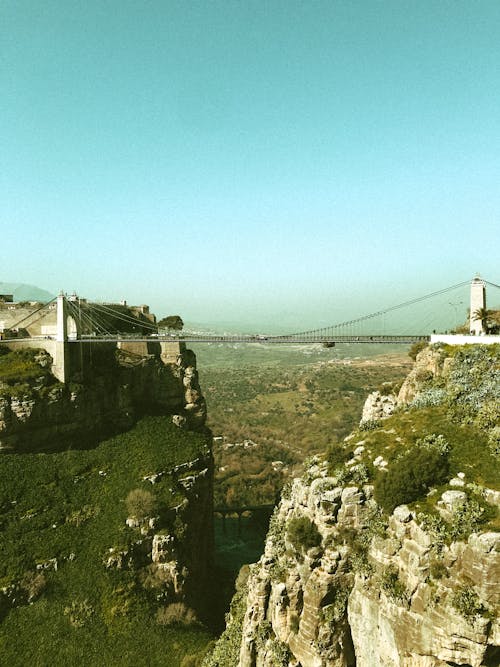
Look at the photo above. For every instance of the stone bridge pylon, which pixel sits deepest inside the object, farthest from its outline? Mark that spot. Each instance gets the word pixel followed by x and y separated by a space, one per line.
pixel 67 328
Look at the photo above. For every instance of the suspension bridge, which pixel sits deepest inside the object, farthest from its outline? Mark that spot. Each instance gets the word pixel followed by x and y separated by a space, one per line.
pixel 67 322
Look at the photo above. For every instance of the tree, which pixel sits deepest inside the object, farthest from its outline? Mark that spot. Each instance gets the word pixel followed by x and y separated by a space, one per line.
pixel 171 322
pixel 483 315
pixel 140 503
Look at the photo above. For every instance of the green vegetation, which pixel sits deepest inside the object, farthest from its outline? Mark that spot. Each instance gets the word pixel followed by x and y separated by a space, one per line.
pixel 335 604
pixel 392 585
pixel 466 601
pixel 413 473
pixel 416 348
pixel 278 653
pixel 490 319
pixel 173 322
pixel 62 513
pixel 24 368
pixel 140 503
pixel 448 428
pixel 336 456
pixel 302 534
pixel 358 541
pixel 290 405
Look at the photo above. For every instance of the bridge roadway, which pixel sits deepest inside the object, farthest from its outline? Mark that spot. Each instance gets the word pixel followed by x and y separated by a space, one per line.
pixel 303 340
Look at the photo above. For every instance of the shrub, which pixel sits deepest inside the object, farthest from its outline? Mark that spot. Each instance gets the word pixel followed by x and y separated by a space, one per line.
pixel 411 476
pixel 466 601
pixel 176 613
pixel 434 443
pixel 429 398
pixel 416 348
pixel 334 611
pixel 303 534
pixel 473 380
pixel 360 473
pixel 436 527
pixel 275 532
pixel 33 583
pixel 369 425
pixel 438 569
pixel 140 503
pixel 466 519
pixel 79 613
pixel 488 415
pixel 336 456
pixel 280 653
pixel 392 586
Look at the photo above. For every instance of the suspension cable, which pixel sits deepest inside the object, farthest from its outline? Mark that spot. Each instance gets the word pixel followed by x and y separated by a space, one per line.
pixel 381 312
pixel 92 319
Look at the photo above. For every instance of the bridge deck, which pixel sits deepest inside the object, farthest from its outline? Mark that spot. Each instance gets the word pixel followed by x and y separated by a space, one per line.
pixel 189 338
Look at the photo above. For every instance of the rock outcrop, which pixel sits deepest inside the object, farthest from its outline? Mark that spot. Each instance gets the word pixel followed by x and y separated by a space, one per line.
pixel 176 549
pixel 342 583
pixel 108 398
pixel 430 363
pixel 377 406
pixel 369 595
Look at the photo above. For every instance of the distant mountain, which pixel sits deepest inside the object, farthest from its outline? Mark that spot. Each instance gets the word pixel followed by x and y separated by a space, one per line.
pixel 22 292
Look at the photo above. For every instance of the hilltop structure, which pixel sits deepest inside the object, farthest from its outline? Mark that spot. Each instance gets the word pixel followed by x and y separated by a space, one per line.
pixel 477 304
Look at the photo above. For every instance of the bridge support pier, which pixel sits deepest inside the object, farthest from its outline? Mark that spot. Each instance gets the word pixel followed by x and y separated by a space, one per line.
pixel 60 366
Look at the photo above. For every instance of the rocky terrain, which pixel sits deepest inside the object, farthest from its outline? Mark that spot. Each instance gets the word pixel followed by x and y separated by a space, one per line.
pixel 352 576
pixel 119 387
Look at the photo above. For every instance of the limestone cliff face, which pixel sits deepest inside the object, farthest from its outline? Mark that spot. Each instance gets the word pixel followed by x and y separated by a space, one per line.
pixel 430 363
pixel 366 595
pixel 342 584
pixel 105 400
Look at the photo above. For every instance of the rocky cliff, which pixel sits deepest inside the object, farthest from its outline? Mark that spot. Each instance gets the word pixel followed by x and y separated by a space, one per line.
pixel 106 507
pixel 173 550
pixel 349 577
pixel 115 390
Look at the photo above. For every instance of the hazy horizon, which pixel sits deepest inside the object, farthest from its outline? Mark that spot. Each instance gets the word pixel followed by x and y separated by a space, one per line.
pixel 289 163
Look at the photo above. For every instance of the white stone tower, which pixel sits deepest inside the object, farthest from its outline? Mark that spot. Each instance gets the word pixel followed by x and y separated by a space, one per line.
pixel 60 367
pixel 477 302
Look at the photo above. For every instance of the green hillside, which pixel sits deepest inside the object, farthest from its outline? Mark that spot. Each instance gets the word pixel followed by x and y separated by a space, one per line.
pixel 61 514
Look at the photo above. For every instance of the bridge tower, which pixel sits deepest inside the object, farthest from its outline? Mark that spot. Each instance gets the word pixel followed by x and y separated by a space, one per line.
pixel 477 302
pixel 60 367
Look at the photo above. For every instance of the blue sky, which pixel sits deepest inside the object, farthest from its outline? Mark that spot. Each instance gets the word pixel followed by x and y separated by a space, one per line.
pixel 269 161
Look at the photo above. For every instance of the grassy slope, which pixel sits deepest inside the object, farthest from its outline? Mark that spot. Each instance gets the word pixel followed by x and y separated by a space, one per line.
pixel 465 414
pixel 54 505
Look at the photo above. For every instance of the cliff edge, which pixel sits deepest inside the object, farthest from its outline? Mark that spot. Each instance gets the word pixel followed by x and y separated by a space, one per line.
pixel 387 552
pixel 38 413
